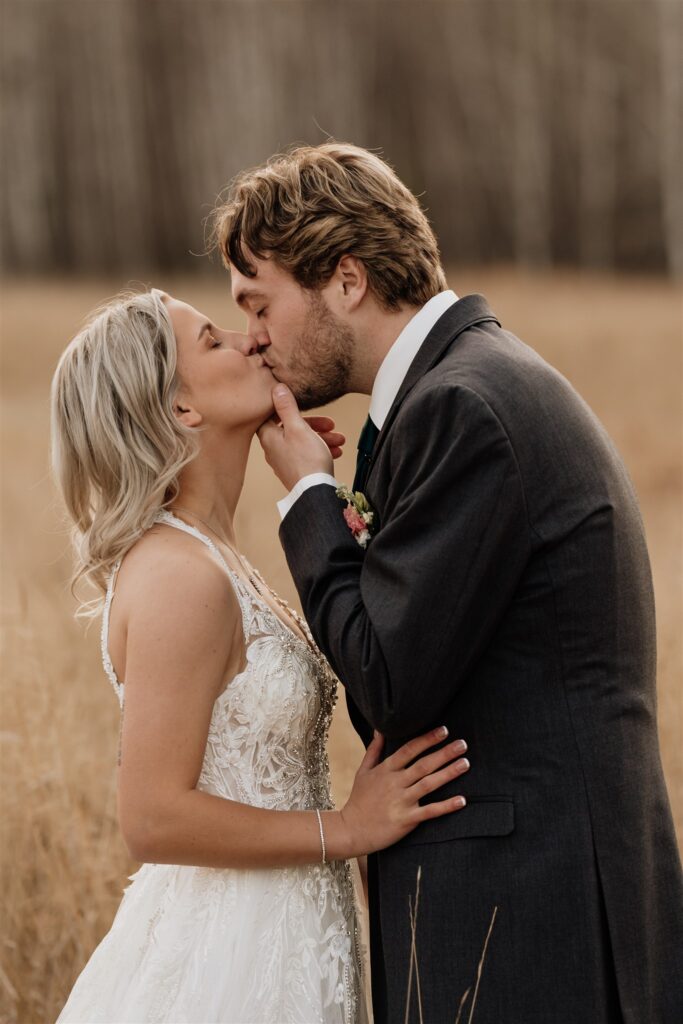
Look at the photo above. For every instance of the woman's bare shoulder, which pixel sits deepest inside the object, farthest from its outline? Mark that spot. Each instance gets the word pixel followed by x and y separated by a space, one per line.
pixel 166 567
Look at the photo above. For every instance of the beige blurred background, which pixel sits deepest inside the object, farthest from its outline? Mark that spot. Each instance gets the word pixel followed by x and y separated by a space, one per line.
pixel 544 139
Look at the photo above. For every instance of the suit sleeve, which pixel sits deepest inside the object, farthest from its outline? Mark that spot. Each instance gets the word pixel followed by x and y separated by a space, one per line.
pixel 403 621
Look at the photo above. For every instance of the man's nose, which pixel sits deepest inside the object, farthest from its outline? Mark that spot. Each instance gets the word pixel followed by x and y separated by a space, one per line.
pixel 262 340
pixel 251 345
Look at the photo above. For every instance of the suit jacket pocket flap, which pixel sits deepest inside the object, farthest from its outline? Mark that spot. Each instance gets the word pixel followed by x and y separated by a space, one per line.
pixel 482 816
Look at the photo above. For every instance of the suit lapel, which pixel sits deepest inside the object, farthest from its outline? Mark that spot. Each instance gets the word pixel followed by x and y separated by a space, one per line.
pixel 463 314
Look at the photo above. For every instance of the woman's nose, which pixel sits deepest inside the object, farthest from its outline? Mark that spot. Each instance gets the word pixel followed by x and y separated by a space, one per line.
pixel 247 344
pixel 250 345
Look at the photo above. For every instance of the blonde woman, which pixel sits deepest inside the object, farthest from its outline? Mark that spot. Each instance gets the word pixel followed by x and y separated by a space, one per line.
pixel 244 910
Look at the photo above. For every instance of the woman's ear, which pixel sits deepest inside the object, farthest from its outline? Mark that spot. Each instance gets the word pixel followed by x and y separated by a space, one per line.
pixel 186 413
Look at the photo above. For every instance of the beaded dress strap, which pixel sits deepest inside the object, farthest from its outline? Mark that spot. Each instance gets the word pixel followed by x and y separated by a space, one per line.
pixel 170 520
pixel 164 516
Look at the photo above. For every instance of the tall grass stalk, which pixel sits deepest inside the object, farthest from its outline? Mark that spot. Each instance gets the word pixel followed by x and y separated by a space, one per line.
pixel 63 864
pixel 463 1000
pixel 414 966
pixel 413 951
pixel 480 966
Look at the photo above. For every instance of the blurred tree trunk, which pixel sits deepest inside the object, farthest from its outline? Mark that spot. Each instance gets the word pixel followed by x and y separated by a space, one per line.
pixel 532 135
pixel 597 109
pixel 670 14
pixel 538 131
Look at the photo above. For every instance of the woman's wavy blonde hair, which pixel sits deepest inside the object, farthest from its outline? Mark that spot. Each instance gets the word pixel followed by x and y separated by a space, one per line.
pixel 117 448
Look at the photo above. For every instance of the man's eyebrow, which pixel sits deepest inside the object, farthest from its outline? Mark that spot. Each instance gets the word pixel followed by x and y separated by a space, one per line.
pixel 247 293
pixel 205 327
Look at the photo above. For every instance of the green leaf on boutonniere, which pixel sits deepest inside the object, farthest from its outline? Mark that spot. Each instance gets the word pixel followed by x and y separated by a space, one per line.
pixel 357 514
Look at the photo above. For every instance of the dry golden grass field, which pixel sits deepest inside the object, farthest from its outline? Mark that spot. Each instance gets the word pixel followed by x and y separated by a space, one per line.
pixel 617 339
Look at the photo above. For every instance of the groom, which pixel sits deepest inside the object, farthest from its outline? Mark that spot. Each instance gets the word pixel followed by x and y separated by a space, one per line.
pixel 505 592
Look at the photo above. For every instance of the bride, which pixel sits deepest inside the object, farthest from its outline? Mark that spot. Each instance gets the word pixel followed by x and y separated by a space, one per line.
pixel 244 909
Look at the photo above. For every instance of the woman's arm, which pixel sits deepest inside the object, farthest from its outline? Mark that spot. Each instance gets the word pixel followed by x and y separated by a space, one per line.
pixel 184 622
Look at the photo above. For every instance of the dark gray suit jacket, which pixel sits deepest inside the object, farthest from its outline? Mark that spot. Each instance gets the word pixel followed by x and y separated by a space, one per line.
pixel 507 593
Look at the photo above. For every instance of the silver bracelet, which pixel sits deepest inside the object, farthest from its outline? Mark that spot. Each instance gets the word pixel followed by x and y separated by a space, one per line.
pixel 322 834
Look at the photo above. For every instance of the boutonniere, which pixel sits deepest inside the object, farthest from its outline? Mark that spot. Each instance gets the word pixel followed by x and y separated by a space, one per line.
pixel 358 514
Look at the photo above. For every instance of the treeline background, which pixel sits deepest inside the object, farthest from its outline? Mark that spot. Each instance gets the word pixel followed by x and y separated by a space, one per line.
pixel 541 132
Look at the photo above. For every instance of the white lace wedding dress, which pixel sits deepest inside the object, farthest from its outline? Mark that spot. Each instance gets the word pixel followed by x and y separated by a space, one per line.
pixel 194 945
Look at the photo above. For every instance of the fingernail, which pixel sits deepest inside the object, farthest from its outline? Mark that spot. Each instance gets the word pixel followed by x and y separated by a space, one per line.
pixel 280 391
pixel 460 801
pixel 459 747
pixel 442 731
pixel 465 763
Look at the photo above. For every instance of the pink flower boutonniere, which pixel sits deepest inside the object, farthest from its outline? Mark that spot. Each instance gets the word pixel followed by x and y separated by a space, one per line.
pixel 358 514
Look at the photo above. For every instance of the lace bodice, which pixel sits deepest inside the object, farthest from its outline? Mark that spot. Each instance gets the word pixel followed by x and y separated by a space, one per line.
pixel 268 732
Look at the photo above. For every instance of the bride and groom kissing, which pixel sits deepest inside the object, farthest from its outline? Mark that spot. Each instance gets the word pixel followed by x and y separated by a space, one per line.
pixel 487 573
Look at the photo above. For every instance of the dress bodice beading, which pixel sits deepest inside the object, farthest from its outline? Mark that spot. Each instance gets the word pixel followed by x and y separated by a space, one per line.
pixel 268 731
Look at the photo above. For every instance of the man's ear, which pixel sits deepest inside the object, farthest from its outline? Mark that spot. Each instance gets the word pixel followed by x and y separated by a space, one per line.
pixel 353 281
pixel 186 412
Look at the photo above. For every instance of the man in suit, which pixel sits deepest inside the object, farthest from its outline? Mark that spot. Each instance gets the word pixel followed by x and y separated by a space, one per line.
pixel 505 592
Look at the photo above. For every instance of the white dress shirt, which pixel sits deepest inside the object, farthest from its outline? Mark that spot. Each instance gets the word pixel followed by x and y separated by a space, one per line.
pixel 390 376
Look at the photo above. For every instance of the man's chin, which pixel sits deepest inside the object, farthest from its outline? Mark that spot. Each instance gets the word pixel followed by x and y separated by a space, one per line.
pixel 309 396
pixel 299 393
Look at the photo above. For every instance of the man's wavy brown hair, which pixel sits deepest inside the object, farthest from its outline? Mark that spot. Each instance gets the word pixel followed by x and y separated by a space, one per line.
pixel 314 204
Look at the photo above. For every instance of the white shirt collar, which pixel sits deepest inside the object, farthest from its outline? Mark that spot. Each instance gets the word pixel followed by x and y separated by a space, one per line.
pixel 396 362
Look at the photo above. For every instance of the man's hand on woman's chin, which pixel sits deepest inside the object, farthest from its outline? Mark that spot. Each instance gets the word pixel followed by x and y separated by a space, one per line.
pixel 296 446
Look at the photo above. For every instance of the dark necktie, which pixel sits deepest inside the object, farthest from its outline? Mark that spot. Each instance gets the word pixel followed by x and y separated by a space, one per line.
pixel 366 443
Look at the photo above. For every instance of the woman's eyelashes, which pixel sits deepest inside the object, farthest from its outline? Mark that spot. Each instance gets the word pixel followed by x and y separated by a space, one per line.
pixel 261 312
pixel 214 342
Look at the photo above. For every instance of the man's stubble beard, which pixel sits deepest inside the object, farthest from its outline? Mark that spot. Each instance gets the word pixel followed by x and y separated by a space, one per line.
pixel 321 363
